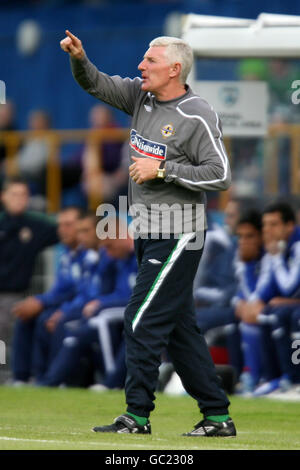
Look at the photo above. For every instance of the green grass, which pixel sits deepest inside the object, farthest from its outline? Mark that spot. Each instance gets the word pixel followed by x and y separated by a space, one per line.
pixel 33 418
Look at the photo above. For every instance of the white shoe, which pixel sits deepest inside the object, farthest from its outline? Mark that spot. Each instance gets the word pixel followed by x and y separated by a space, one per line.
pixel 166 370
pixel 98 388
pixel 18 384
pixel 174 386
pixel 292 394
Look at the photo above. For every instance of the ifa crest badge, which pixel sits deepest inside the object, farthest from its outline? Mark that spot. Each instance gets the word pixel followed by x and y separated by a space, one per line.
pixel 25 235
pixel 167 130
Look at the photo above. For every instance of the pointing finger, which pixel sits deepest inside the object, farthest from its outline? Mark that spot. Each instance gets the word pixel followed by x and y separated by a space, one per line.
pixel 74 38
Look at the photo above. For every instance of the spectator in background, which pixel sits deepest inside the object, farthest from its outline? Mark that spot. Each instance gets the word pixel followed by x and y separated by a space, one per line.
pixel 248 151
pixel 33 156
pixel 249 154
pixel 102 320
pixel 253 69
pixel 7 123
pixel 100 176
pixel 252 272
pixel 281 75
pixel 96 271
pixel 215 282
pixel 96 168
pixel 47 306
pixel 214 286
pixel 275 305
pixel 23 235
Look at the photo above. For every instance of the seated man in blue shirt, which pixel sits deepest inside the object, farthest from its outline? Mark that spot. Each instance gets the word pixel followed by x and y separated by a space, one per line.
pixel 99 316
pixel 62 290
pixel 95 269
pixel 275 305
pixel 253 273
pixel 215 284
pixel 215 281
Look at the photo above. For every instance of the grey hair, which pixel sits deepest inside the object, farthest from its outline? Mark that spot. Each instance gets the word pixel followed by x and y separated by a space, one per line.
pixel 177 50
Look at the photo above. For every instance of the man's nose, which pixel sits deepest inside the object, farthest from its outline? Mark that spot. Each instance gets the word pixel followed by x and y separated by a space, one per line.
pixel 141 65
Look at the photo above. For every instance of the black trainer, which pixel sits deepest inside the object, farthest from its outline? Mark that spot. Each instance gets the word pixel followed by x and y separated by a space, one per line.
pixel 208 428
pixel 125 424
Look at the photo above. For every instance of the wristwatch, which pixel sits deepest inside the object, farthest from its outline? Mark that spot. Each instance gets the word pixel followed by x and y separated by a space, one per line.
pixel 161 171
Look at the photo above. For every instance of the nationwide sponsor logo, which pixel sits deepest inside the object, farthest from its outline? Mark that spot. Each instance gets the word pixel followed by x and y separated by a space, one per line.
pixel 167 130
pixel 146 147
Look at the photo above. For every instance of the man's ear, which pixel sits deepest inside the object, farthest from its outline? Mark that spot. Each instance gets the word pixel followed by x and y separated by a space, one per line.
pixel 175 70
pixel 290 226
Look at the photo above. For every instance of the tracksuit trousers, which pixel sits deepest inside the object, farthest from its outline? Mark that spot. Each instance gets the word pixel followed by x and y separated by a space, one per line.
pixel 160 315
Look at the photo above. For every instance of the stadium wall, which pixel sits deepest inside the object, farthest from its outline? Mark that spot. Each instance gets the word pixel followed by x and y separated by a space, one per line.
pixel 115 36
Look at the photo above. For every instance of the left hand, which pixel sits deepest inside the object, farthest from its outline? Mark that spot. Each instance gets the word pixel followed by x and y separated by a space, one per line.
pixel 143 169
pixel 252 310
pixel 27 308
pixel 53 321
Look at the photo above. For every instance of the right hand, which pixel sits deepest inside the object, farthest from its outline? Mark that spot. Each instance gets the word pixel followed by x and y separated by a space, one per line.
pixel 251 311
pixel 27 308
pixel 72 45
pixel 53 321
pixel 90 308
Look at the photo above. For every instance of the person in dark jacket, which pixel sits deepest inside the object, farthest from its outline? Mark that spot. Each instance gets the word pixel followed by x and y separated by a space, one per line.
pixel 23 235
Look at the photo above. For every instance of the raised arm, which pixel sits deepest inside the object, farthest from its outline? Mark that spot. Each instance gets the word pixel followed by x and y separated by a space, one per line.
pixel 73 46
pixel 114 90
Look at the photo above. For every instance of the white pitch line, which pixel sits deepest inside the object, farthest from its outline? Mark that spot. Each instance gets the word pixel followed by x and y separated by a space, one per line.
pixel 25 426
pixel 85 443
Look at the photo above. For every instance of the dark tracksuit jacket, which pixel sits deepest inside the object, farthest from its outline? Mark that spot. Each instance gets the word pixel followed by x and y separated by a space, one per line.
pixel 185 133
pixel 22 238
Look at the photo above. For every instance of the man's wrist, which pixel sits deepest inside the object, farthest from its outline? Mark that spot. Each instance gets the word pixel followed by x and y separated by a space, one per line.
pixel 161 171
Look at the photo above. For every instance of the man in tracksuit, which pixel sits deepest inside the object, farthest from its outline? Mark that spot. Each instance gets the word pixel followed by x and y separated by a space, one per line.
pixel 177 153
